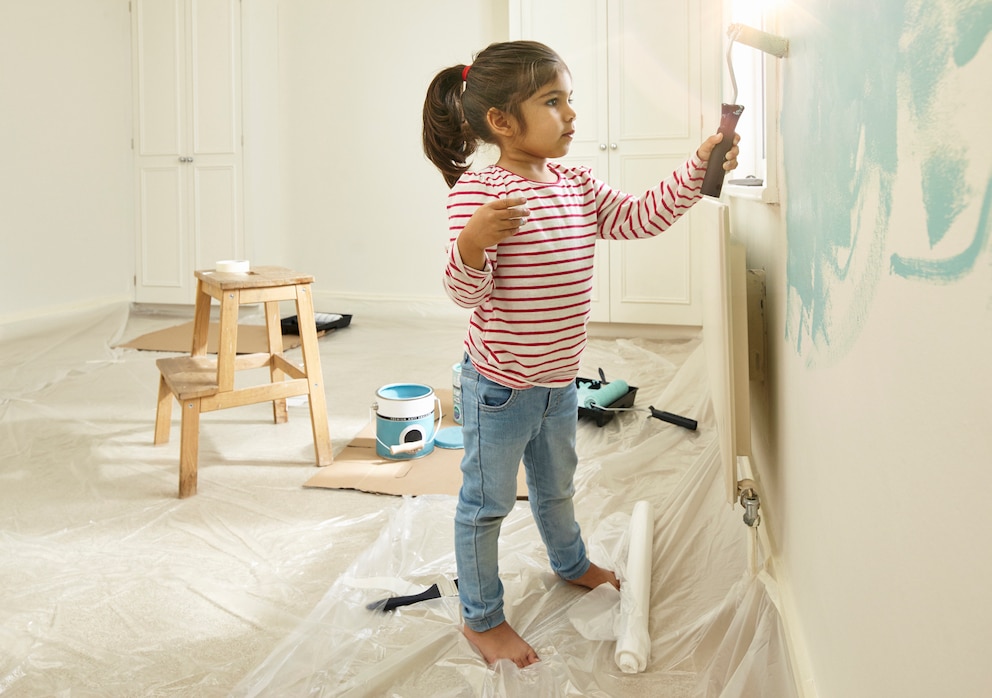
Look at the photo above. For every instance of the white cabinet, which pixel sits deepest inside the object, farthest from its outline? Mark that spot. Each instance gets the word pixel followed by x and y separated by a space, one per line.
pixel 186 65
pixel 639 92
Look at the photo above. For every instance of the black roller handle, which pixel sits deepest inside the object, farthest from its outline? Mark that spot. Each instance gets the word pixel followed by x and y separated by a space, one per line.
pixel 676 419
pixel 391 604
pixel 713 179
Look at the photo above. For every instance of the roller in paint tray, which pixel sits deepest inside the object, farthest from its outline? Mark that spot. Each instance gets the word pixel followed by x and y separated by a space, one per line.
pixel 600 398
pixel 602 395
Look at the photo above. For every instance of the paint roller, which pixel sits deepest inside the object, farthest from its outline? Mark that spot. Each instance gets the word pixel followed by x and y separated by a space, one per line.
pixel 730 114
pixel 599 395
pixel 602 395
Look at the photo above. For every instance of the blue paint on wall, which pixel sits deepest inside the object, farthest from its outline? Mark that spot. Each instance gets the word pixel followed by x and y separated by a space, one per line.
pixel 846 65
pixel 839 135
pixel 955 267
pixel 940 37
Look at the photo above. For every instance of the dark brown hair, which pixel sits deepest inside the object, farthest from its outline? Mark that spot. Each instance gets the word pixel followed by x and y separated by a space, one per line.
pixel 502 76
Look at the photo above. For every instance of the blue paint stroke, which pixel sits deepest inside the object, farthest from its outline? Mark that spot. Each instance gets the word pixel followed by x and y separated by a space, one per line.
pixel 939 37
pixel 951 268
pixel 840 152
pixel 971 28
pixel 839 126
pixel 945 192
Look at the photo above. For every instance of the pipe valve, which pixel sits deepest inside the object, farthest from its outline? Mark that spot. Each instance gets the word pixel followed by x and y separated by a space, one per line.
pixel 750 501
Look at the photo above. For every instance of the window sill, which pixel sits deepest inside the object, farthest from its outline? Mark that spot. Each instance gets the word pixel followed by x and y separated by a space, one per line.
pixel 767 194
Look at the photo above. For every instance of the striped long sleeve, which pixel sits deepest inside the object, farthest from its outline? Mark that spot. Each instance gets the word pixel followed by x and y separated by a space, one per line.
pixel 531 300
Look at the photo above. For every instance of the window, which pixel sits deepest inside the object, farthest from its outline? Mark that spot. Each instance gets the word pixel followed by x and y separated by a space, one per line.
pixel 757 79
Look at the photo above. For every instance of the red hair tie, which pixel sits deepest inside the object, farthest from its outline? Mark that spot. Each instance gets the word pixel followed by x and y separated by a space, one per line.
pixel 465 73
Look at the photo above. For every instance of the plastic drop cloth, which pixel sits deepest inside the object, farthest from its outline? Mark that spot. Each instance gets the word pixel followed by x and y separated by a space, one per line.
pixel 257 586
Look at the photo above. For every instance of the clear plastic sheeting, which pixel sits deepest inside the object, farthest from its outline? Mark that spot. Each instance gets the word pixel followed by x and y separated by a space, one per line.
pixel 258 586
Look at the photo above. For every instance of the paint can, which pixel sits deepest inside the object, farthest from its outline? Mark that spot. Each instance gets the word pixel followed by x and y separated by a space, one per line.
pixel 456 393
pixel 405 420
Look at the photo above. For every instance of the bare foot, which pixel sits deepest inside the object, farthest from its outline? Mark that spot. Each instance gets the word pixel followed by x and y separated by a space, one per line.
pixel 502 642
pixel 595 576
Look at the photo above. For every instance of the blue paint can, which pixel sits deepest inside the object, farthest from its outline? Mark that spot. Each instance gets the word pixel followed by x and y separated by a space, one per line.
pixel 456 393
pixel 405 420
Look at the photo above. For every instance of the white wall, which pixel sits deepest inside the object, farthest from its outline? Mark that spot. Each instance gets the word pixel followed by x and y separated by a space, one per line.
pixel 335 180
pixel 65 155
pixel 364 208
pixel 872 430
pixel 267 238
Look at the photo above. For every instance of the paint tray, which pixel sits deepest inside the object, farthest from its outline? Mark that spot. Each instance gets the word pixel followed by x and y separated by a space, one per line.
pixel 598 414
pixel 325 322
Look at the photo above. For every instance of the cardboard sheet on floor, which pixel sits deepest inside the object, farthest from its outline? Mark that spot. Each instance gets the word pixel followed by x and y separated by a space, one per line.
pixel 251 339
pixel 359 467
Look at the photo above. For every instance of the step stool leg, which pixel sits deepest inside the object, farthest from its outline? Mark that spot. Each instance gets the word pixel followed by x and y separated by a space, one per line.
pixel 163 414
pixel 189 447
pixel 315 378
pixel 274 329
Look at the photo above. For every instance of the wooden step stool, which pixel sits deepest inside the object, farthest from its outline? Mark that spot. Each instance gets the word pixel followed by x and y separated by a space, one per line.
pixel 203 383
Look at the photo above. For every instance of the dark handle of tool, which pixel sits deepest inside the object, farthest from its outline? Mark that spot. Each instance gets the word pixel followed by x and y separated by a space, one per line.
pixel 395 602
pixel 676 419
pixel 713 179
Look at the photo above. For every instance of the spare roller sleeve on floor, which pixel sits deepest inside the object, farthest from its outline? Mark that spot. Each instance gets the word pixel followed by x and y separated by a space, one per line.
pixel 605 395
pixel 633 642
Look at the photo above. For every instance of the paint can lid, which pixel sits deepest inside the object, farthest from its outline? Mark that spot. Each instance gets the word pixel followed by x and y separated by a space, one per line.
pixel 449 437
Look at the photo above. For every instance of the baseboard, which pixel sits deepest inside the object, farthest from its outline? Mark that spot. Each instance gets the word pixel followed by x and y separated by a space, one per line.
pixel 54 311
pixel 428 307
pixel 614 330
pixel 443 308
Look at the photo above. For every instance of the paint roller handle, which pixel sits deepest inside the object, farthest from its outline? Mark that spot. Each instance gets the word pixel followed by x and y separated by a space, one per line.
pixel 713 178
pixel 676 419
pixel 411 447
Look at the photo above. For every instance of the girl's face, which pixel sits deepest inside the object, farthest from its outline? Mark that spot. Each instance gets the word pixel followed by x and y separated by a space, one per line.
pixel 548 119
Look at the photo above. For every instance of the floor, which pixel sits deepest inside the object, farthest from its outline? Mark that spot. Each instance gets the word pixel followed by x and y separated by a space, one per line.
pixel 258 586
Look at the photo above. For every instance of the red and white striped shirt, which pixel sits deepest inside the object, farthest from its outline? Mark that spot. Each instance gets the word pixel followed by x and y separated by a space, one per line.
pixel 531 301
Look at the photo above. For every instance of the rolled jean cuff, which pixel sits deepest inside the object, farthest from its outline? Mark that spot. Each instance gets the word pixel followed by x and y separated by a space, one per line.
pixel 488 623
pixel 580 570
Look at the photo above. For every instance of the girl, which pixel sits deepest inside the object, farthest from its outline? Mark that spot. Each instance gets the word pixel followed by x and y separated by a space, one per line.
pixel 523 232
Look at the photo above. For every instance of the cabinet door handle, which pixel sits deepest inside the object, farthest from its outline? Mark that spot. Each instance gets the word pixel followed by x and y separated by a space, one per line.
pixel 602 146
pixel 613 146
pixel 185 159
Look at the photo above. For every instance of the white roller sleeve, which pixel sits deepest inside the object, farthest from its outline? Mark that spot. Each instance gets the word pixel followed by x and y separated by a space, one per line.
pixel 633 642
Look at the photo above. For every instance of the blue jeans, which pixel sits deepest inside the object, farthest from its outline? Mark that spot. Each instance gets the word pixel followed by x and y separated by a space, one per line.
pixel 502 426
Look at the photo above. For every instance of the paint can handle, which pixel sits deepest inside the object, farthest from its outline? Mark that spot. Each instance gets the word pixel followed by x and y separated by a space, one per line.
pixel 411 447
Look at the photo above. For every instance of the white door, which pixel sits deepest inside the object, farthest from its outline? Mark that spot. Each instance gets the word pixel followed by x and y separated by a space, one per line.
pixel 584 48
pixel 187 142
pixel 637 80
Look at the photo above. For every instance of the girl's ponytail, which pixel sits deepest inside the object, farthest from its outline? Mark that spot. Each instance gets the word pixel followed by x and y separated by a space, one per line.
pixel 501 77
pixel 448 139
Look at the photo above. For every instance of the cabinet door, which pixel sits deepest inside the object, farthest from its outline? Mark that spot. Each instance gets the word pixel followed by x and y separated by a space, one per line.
pixel 187 142
pixel 584 49
pixel 636 77
pixel 654 118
